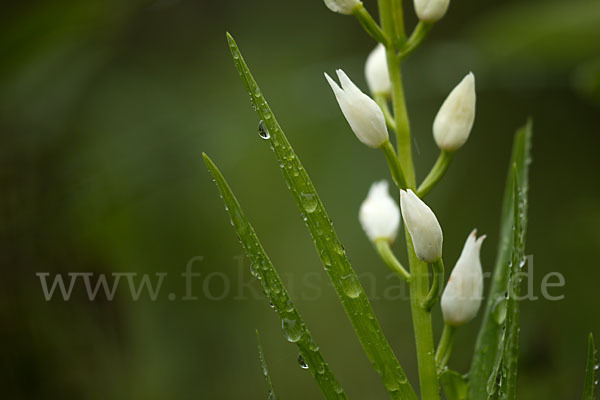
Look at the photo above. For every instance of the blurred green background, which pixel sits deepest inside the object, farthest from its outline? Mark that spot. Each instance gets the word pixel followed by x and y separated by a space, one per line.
pixel 106 106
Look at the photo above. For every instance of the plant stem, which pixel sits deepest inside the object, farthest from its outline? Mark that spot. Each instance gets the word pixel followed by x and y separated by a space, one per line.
pixel 415 39
pixel 437 172
pixel 394 164
pixel 444 349
pixel 419 288
pixel 390 12
pixel 388 257
pixel 382 102
pixel 369 24
pixel 436 287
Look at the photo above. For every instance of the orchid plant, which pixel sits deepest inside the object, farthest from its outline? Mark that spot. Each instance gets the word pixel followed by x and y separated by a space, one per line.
pixel 493 371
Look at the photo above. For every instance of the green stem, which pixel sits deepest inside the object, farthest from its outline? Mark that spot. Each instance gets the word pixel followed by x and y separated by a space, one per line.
pixel 382 102
pixel 436 287
pixel 388 257
pixel 369 24
pixel 394 164
pixel 428 378
pixel 415 39
pixel 444 349
pixel 387 10
pixel 398 19
pixel 437 172
pixel 419 287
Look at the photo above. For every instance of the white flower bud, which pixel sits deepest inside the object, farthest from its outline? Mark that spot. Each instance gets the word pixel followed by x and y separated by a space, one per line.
pixel 423 227
pixel 377 73
pixel 454 120
pixel 431 10
pixel 463 293
pixel 379 214
pixel 362 113
pixel 342 6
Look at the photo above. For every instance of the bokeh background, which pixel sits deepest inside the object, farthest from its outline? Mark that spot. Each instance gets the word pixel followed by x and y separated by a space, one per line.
pixel 106 106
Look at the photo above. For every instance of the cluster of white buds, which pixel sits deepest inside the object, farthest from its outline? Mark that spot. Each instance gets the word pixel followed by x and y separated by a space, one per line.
pixel 454 120
pixel 423 226
pixel 342 6
pixel 362 112
pixel 377 73
pixel 379 214
pixel 431 10
pixel 464 291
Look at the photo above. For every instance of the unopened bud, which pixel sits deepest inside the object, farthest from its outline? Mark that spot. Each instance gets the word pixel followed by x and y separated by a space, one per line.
pixel 463 293
pixel 362 113
pixel 379 214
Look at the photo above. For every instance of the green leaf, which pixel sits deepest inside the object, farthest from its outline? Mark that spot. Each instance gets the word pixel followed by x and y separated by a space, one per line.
pixel 331 251
pixel 263 364
pixel 294 328
pixel 489 346
pixel 591 369
pixel 454 384
pixel 510 355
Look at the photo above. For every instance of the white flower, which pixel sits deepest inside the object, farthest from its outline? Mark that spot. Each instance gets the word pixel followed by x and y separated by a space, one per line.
pixel 463 293
pixel 342 6
pixel 423 227
pixel 376 71
pixel 454 120
pixel 431 10
pixel 362 113
pixel 379 214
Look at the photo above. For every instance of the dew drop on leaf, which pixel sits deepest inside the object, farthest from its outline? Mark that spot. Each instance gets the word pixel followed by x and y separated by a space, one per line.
pixel 263 131
pixel 302 362
pixel 351 286
pixel 291 330
pixel 309 202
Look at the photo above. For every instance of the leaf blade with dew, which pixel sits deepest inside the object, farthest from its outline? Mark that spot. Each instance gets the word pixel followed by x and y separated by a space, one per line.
pixel 510 352
pixel 332 254
pixel 263 364
pixel 591 372
pixel 487 356
pixel 293 325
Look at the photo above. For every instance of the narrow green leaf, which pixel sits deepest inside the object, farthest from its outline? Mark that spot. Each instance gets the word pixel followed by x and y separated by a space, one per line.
pixel 331 252
pixel 454 384
pixel 294 328
pixel 591 372
pixel 510 356
pixel 265 370
pixel 489 346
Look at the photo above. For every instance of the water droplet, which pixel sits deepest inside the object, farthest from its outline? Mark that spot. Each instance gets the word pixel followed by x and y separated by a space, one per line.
pixel 302 362
pixel 499 310
pixel 321 369
pixel 271 396
pixel 309 202
pixel 351 286
pixel 596 367
pixel 263 131
pixel 291 330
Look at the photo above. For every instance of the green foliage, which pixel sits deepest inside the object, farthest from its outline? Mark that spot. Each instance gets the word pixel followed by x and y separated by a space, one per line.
pixel 500 320
pixel 331 251
pixel 294 328
pixel 454 384
pixel 265 370
pixel 591 369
